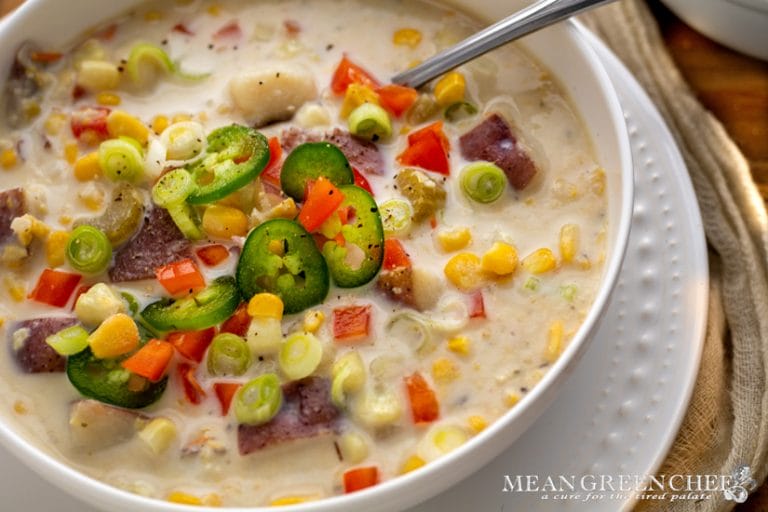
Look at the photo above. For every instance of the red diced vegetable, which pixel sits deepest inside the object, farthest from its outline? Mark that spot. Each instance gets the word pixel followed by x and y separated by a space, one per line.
pixel 45 57
pixel 351 323
pixel 239 321
pixel 89 124
pixel 81 290
pixel 108 33
pixel 225 391
pixel 229 32
pixel 192 344
pixel 192 388
pixel 180 277
pixel 212 255
pixel 361 181
pixel 395 255
pixel 151 360
pixel 182 29
pixel 323 198
pixel 54 287
pixel 477 305
pixel 397 98
pixel 348 73
pixel 360 478
pixel 435 128
pixel 292 27
pixel 424 406
pixel 271 173
pixel 428 149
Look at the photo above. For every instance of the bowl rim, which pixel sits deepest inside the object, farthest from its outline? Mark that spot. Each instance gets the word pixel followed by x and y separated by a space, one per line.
pixel 488 443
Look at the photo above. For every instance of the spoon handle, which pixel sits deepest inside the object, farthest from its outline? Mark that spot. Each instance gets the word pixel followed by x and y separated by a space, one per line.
pixel 530 19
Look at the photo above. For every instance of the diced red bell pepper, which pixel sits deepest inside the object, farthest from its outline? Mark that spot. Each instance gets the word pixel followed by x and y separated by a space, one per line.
pixel 271 173
pixel 477 305
pixel 292 27
pixel 229 32
pixel 395 255
pixel 348 73
pixel 360 478
pixel 225 392
pixel 89 124
pixel 192 344
pixel 182 29
pixel 239 322
pixel 428 149
pixel 351 323
pixel 424 406
pixel 108 33
pixel 180 277
pixel 192 388
pixel 361 181
pixel 45 57
pixel 323 198
pixel 397 98
pixel 54 287
pixel 435 128
pixel 212 255
pixel 151 361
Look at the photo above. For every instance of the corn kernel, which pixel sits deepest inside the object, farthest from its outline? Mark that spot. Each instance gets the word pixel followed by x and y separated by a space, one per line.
pixel 65 220
pixel 459 345
pixel 224 222
pixel 597 182
pixel 412 463
pixel 214 9
pixel 540 261
pixel 356 95
pixel 28 227
pixel 71 152
pixel 569 242
pixel 464 271
pixel 92 196
pixel 477 423
pixel 584 263
pixel 153 16
pixel 2 321
pixel 120 123
pixel 15 288
pixel 158 434
pixel 511 399
pixel 117 335
pixel 353 448
pixel 55 246
pixel 450 89
pixel 180 118
pixel 87 167
pixel 108 98
pixel 20 408
pixel 501 259
pixel 444 370
pixel 213 500
pixel 313 320
pixel 13 255
pixel 265 305
pixel 554 342
pixel 454 239
pixel 98 75
pixel 8 158
pixel 159 124
pixel 407 37
pixel 291 500
pixel 55 123
pixel 184 498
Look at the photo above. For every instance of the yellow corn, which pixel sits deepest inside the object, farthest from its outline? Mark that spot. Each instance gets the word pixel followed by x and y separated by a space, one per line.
pixel 291 500
pixel 224 222
pixel 501 259
pixel 411 463
pixel 569 242
pixel 159 124
pixel 153 16
pixel 540 261
pixel 597 182
pixel 313 320
pixel 87 167
pixel 454 239
pixel 213 500
pixel 355 96
pixel 444 370
pixel 71 152
pixel 28 227
pixel 8 158
pixel 98 75
pixel 92 197
pixel 19 407
pixel 407 37
pixel 14 256
pixel 120 123
pixel 450 89
pixel 15 288
pixel 214 9
pixel 464 271
pixel 265 305
pixel 353 448
pixel 108 98
pixel 159 434
pixel 117 335
pixel 55 246
pixel 511 399
pixel 584 263
pixel 55 123
pixel 554 342
pixel 477 424
pixel 459 345
pixel 184 499
pixel 180 118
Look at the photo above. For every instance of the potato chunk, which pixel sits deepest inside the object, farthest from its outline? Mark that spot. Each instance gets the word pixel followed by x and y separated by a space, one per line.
pixel 272 94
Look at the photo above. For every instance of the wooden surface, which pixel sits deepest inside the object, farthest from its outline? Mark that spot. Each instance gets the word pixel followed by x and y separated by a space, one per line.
pixel 734 87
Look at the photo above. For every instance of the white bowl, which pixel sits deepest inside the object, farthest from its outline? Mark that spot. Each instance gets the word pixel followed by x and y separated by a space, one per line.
pixel 54 23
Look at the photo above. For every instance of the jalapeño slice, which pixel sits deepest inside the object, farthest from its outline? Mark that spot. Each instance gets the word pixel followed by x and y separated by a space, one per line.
pixel 310 161
pixel 280 257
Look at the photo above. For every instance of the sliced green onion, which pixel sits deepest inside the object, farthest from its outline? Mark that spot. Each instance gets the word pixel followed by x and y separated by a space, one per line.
pixel 370 121
pixel 259 401
pixel 568 292
pixel 145 58
pixel 183 140
pixel 187 220
pixel 69 341
pixel 532 284
pixel 459 110
pixel 228 355
pixel 300 355
pixel 133 304
pixel 483 182
pixel 377 408
pixel 348 377
pixel 413 329
pixel 396 215
pixel 122 159
pixel 88 250
pixel 173 188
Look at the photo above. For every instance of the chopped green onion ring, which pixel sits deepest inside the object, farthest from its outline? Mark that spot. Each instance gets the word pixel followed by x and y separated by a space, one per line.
pixel 483 182
pixel 88 250
pixel 396 216
pixel 300 355
pixel 259 401
pixel 71 340
pixel 144 55
pixel 122 159
pixel 370 121
pixel 173 188
pixel 228 354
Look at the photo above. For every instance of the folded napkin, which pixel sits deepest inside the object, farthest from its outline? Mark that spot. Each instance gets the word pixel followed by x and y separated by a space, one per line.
pixel 726 425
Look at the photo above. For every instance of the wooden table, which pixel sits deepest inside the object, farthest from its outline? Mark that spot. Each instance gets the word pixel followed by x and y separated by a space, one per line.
pixel 734 87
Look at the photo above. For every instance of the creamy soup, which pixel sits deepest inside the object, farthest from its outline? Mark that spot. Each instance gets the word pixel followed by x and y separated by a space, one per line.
pixel 238 268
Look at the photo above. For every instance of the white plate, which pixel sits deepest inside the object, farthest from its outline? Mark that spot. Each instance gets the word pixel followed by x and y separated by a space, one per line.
pixel 625 401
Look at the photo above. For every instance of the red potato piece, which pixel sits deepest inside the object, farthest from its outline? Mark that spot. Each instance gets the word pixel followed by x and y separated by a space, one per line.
pixel 307 411
pixel 363 155
pixel 492 141
pixel 95 426
pixel 32 353
pixel 159 242
pixel 12 204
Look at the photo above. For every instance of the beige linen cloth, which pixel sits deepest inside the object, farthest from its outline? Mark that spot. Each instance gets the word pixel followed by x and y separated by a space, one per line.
pixel 726 424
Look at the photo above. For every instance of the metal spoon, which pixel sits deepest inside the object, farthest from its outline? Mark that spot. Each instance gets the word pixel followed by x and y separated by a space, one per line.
pixel 530 19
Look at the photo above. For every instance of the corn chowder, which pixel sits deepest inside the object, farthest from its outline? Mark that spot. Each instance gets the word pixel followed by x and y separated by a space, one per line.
pixel 233 253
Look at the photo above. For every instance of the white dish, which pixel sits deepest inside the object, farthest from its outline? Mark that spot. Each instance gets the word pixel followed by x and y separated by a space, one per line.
pixel 626 399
